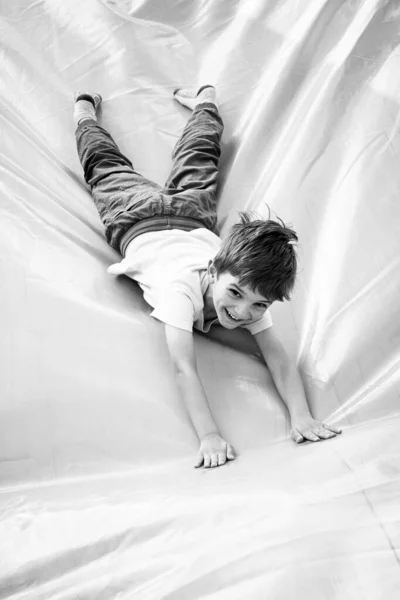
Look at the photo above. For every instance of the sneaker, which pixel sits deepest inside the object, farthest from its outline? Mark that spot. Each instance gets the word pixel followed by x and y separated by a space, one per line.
pixel 95 99
pixel 190 97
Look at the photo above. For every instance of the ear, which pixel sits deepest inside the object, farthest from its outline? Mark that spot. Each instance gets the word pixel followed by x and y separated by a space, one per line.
pixel 211 269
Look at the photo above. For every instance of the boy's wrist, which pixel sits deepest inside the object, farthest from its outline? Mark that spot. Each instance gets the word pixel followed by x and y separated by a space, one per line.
pixel 211 433
pixel 298 413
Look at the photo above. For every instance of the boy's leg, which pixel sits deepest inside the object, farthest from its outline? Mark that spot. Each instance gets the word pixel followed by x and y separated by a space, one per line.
pixel 122 196
pixel 196 155
pixel 98 153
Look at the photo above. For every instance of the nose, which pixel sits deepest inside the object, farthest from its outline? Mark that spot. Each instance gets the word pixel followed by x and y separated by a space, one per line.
pixel 243 312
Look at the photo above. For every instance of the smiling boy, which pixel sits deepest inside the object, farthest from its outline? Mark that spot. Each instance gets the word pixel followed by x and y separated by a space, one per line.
pixel 169 241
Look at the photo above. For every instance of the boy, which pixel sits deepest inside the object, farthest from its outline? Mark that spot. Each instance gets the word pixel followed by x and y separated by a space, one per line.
pixel 168 238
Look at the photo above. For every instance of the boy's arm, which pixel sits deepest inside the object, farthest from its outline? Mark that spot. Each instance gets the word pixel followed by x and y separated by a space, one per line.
pixel 290 386
pixel 214 451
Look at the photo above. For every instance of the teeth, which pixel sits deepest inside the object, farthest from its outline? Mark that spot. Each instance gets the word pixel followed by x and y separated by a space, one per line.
pixel 231 316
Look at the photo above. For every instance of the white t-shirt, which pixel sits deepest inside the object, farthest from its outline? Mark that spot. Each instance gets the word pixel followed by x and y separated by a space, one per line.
pixel 171 268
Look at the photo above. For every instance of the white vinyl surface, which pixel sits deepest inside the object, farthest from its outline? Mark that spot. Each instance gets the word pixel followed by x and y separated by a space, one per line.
pixel 99 499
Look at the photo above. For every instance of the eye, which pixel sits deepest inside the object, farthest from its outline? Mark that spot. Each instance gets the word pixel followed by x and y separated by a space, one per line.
pixel 234 292
pixel 260 305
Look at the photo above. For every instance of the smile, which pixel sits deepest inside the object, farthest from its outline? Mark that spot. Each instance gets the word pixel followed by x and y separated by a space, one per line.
pixel 231 316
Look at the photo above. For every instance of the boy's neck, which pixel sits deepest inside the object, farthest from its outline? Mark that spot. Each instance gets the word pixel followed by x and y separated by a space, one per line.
pixel 209 309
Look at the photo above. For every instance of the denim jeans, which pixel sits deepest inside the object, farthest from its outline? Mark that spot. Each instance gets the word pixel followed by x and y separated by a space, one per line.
pixel 129 204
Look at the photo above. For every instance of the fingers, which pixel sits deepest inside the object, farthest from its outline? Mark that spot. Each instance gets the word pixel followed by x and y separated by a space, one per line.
pixel 199 460
pixel 321 432
pixel 215 460
pixel 332 428
pixel 296 436
pixel 324 434
pixel 221 459
pixel 207 461
pixel 309 435
pixel 230 452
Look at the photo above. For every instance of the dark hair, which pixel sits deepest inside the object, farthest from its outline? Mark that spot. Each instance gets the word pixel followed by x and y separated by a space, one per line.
pixel 261 254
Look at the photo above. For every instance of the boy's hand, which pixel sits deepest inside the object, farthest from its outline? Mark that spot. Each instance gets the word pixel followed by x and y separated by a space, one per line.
pixel 214 451
pixel 304 427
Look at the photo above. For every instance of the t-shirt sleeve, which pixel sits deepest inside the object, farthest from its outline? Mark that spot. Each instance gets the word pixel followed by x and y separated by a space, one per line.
pixel 175 308
pixel 264 323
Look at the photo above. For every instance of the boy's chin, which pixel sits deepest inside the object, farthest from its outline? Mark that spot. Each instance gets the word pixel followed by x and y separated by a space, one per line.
pixel 228 324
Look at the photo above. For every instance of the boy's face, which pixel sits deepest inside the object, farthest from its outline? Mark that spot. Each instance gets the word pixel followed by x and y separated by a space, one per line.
pixel 236 305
